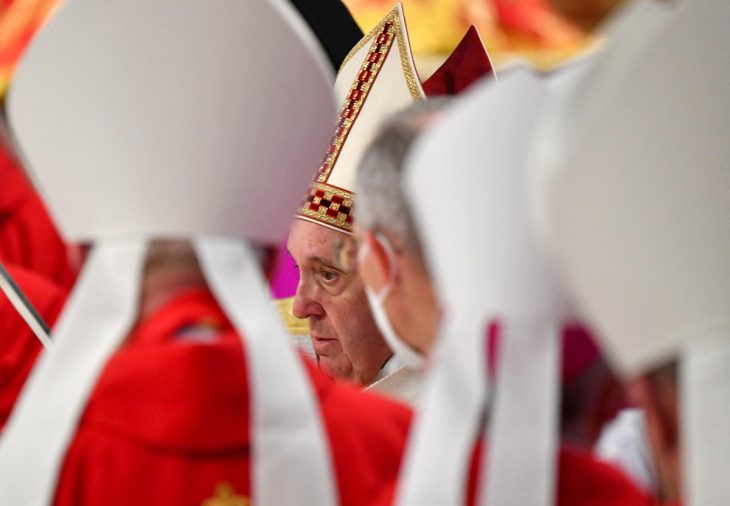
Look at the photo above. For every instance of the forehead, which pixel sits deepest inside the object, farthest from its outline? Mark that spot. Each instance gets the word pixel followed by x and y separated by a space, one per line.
pixel 309 240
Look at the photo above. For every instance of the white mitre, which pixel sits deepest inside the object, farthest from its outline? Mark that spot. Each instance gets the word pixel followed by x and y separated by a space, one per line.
pixel 639 215
pixel 175 119
pixel 377 78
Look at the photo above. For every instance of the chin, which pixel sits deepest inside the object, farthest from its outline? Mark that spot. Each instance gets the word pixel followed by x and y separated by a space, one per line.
pixel 334 371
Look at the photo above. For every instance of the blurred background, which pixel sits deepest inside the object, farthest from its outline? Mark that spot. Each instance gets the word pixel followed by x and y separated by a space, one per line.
pixel 544 32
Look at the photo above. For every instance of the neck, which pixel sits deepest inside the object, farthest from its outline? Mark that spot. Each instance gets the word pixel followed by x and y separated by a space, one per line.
pixel 163 284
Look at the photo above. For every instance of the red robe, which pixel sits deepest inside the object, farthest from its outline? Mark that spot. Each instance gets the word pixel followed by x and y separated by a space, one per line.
pixel 19 347
pixel 582 481
pixel 167 423
pixel 28 237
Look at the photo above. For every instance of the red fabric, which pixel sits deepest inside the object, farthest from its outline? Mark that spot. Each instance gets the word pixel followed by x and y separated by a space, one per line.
pixel 582 481
pixel 19 347
pixel 28 237
pixel 468 63
pixel 168 420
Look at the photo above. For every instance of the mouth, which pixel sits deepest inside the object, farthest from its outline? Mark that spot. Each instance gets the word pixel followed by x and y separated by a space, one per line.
pixel 323 345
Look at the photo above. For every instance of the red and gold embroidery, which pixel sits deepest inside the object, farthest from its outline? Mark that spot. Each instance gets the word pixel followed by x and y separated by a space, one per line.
pixel 359 90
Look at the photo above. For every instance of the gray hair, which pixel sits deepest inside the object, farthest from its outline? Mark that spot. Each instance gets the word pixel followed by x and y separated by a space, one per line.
pixel 381 204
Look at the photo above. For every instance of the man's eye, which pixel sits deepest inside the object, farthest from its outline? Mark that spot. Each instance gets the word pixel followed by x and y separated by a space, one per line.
pixel 329 276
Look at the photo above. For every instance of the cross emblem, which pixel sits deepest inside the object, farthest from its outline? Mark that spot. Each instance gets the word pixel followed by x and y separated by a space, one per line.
pixel 226 496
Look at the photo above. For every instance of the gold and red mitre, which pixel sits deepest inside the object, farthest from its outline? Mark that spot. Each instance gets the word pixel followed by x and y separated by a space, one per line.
pixel 377 78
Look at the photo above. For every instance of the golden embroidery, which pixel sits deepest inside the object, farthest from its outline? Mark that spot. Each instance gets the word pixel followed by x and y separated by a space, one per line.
pixel 414 85
pixel 378 28
pixel 329 204
pixel 409 69
pixel 350 110
pixel 226 496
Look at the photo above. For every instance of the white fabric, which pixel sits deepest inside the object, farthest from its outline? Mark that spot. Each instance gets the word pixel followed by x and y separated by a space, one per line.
pixel 488 254
pixel 303 342
pixel 624 443
pixel 524 417
pixel 668 205
pixel 388 93
pixel 391 365
pixel 639 218
pixel 118 111
pixel 705 392
pixel 96 318
pixel 574 84
pixel 489 260
pixel 407 355
pixel 436 461
pixel 287 433
pixel 404 384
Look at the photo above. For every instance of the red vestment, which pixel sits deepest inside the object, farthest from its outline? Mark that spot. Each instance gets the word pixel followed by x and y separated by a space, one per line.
pixel 19 347
pixel 582 481
pixel 28 237
pixel 167 423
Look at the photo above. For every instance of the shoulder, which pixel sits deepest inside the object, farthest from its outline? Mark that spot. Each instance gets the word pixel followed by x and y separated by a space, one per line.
pixel 367 434
pixel 369 413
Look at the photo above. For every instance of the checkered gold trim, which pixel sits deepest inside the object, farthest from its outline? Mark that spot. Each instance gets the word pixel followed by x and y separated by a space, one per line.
pixel 329 204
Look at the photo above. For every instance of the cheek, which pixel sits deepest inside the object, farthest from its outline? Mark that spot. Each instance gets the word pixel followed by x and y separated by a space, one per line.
pixel 355 325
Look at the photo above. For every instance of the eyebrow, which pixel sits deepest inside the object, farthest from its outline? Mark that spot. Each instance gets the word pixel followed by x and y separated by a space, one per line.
pixel 324 262
pixel 317 259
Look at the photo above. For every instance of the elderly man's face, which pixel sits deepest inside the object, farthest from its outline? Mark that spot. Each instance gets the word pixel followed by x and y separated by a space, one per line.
pixel 330 296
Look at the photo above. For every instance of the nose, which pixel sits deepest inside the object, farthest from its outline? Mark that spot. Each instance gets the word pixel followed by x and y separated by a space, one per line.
pixel 305 302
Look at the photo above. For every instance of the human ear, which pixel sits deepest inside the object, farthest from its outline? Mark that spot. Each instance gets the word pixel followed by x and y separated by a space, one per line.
pixel 377 268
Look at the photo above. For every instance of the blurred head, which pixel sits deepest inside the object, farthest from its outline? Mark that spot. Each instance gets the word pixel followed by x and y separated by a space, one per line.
pixel 170 268
pixel 391 262
pixel 330 296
